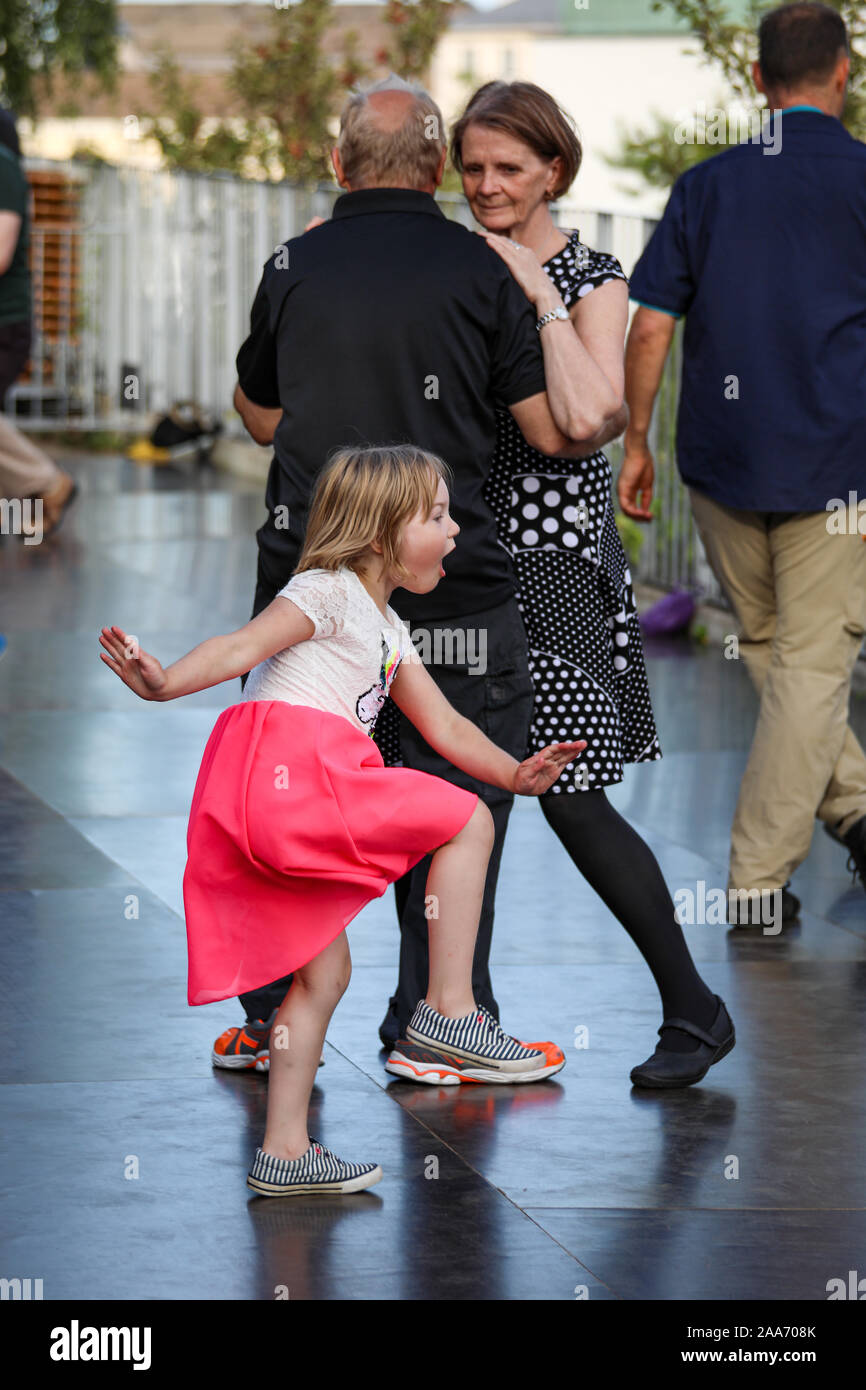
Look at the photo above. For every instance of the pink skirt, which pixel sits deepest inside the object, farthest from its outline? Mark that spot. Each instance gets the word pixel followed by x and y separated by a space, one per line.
pixel 295 825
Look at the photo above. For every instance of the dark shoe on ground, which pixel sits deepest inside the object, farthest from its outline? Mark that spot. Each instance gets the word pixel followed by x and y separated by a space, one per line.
pixel 389 1028
pixel 755 913
pixel 318 1172
pixel 665 1071
pixel 854 840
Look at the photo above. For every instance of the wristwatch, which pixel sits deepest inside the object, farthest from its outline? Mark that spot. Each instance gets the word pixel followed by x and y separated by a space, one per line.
pixel 560 312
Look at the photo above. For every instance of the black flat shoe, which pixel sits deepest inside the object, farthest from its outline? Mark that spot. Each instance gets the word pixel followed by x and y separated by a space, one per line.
pixel 667 1070
pixel 855 843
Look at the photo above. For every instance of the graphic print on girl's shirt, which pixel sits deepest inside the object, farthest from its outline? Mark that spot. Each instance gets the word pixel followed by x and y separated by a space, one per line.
pixel 372 700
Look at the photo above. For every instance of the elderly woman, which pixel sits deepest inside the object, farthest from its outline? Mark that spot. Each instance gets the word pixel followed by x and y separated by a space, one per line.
pixel 518 152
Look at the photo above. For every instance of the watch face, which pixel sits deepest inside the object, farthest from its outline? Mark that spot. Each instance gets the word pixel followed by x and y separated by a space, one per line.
pixel 561 313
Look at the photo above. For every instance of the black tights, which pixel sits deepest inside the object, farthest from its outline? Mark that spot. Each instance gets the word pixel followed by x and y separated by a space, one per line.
pixel 622 869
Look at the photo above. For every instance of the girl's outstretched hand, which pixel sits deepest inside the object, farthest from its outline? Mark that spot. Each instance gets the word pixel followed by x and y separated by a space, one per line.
pixel 137 669
pixel 538 773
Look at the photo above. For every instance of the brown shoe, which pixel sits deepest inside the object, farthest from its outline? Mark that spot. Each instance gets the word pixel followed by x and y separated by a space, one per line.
pixel 56 502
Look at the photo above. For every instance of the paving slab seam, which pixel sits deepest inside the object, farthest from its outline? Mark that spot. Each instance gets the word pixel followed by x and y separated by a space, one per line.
pixel 472 1169
pixel 734 1210
pixel 570 1253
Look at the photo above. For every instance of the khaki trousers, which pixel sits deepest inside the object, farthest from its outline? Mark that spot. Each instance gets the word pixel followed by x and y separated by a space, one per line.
pixel 799 596
pixel 25 471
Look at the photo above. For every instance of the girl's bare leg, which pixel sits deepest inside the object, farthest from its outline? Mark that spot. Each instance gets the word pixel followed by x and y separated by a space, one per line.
pixel 455 890
pixel 297 1037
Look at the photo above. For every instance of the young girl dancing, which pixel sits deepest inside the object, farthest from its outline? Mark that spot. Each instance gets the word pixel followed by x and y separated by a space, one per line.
pixel 296 824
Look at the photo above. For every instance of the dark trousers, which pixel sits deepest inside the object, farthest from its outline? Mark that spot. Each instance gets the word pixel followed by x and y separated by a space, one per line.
pixel 497 696
pixel 15 339
pixel 499 702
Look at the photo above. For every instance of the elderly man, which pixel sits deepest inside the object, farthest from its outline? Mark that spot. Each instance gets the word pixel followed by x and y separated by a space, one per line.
pixel 763 248
pixel 391 323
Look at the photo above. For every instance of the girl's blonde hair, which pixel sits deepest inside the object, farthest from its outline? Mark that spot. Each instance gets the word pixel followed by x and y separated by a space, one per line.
pixel 366 495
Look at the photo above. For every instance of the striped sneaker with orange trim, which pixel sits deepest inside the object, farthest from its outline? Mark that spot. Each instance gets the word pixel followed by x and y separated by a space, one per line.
pixel 441 1051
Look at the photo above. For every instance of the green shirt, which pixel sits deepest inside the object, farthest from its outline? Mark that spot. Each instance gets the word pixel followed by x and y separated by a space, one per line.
pixel 15 284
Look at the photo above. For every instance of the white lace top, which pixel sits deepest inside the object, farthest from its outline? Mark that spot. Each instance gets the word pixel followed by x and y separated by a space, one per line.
pixel 348 664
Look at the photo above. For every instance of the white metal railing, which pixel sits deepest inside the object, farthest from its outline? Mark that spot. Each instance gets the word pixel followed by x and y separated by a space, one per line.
pixel 169 267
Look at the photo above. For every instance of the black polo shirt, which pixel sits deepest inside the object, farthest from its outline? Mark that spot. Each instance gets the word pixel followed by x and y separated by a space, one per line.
pixel 391 324
pixel 763 248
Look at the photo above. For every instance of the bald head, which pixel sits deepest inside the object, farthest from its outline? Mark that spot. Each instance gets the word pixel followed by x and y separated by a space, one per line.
pixel 390 109
pixel 391 136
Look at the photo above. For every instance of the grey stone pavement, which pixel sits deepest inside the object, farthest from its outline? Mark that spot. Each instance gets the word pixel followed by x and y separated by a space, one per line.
pixel 579 1187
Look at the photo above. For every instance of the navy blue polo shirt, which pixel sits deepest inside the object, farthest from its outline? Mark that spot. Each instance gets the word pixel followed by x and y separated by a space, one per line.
pixel 391 324
pixel 765 255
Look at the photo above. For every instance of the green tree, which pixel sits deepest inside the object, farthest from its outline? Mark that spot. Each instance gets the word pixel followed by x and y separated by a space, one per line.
pixel 659 153
pixel 183 134
pixel 44 38
pixel 289 90
pixel 656 154
pixel 417 29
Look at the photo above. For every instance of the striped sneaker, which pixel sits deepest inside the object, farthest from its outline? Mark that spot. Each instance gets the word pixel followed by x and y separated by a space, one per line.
pixel 444 1051
pixel 318 1171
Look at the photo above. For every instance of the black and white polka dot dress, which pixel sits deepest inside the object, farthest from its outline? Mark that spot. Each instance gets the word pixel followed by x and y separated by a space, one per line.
pixel 556 519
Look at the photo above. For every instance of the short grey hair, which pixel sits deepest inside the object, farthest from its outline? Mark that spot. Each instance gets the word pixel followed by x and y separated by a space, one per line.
pixel 404 158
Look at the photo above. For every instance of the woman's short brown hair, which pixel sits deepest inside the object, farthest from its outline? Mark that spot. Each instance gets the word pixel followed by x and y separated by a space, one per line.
pixel 529 114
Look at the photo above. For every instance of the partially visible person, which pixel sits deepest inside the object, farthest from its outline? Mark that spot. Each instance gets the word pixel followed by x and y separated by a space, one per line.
pixel 25 471
pixel 389 323
pixel 518 153
pixel 763 249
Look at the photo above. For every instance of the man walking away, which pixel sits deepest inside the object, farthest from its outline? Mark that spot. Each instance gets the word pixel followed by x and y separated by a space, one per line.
pixel 763 249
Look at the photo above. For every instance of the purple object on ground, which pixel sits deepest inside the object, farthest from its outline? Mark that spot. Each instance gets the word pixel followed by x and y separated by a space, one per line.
pixel 673 613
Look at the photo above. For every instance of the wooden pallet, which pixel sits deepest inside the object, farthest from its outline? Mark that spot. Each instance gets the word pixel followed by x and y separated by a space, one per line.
pixel 55 263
